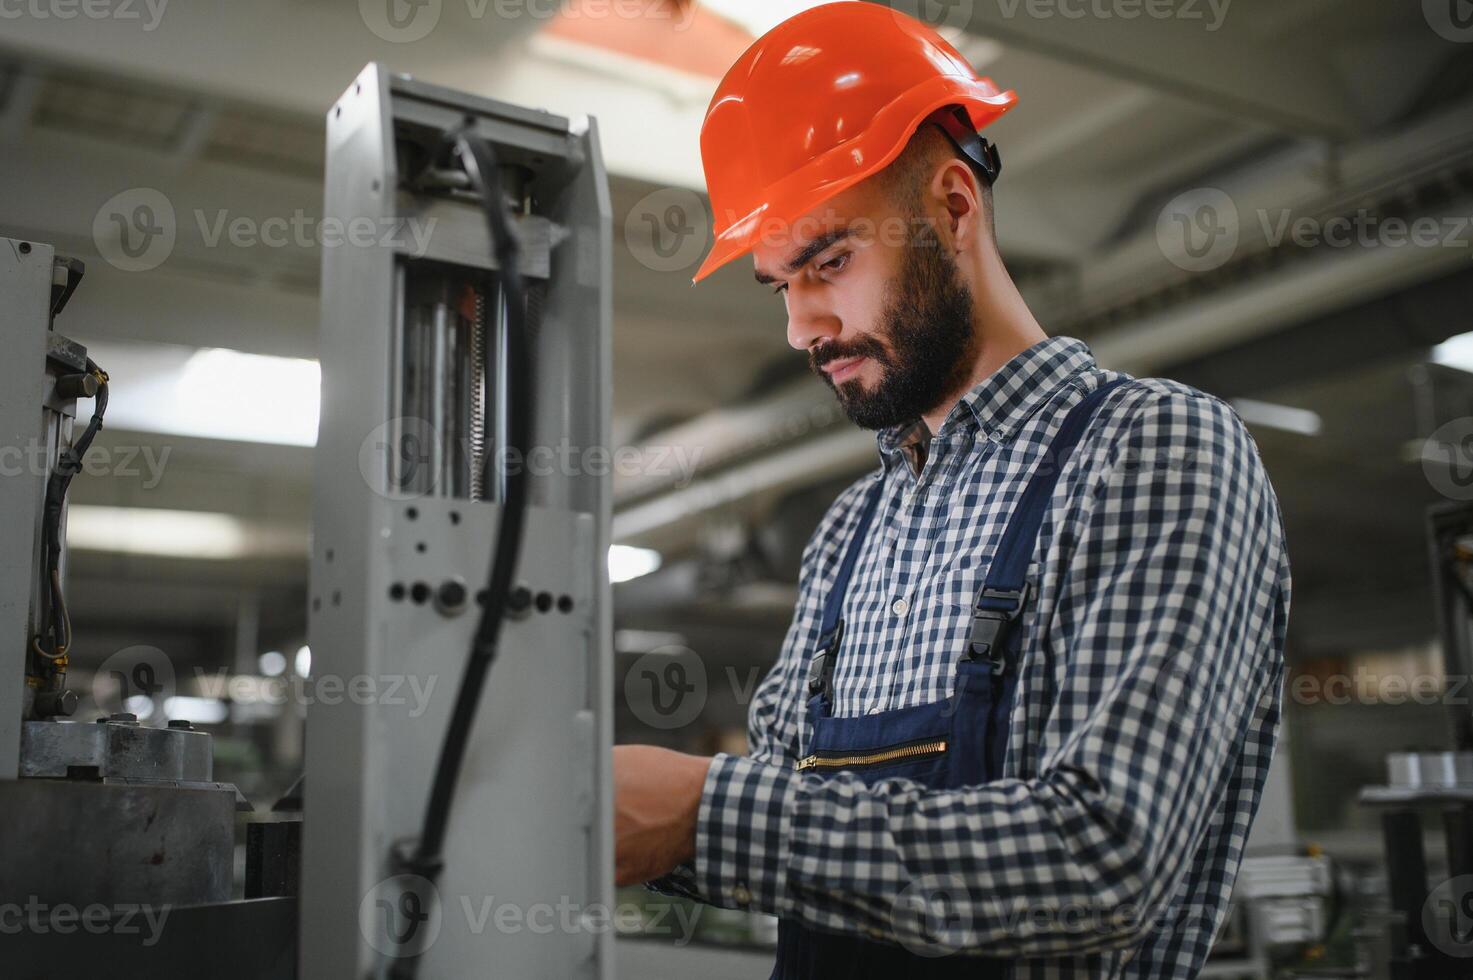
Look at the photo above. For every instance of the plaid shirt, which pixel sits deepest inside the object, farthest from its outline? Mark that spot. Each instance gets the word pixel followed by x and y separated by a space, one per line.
pixel 1147 707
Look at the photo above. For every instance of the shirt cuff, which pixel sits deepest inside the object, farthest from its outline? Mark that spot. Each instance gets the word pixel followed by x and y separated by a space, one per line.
pixel 678 882
pixel 742 834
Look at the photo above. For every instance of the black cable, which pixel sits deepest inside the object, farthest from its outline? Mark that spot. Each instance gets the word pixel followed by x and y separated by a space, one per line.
pixel 55 634
pixel 426 860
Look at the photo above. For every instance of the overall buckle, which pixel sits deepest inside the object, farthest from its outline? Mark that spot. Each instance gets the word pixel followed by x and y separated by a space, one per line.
pixel 990 623
pixel 821 667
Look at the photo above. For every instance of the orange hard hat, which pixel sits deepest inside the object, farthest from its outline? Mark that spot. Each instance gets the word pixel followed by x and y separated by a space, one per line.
pixel 817 104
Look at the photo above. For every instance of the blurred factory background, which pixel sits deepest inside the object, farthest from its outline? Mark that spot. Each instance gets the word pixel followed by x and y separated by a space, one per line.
pixel 1268 199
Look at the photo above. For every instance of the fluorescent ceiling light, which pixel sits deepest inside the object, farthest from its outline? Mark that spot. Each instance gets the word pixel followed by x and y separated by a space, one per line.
pixel 176 533
pixel 201 711
pixel 628 562
pixel 211 393
pixel 1455 352
pixel 759 18
pixel 1297 420
pixel 141 705
pixel 646 641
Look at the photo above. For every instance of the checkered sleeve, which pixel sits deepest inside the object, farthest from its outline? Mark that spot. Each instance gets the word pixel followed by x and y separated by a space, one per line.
pixel 1168 553
pixel 774 717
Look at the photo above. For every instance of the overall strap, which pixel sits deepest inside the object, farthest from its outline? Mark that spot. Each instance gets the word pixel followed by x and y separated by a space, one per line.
pixel 831 632
pixel 1004 593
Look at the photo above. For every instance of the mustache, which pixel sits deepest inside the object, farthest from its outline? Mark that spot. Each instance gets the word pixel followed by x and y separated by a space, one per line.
pixel 834 350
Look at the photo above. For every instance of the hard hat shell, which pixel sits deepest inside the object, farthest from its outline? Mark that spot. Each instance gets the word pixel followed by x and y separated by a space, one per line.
pixel 817 104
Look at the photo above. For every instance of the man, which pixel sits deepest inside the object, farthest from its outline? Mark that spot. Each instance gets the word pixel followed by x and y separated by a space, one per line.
pixel 1022 719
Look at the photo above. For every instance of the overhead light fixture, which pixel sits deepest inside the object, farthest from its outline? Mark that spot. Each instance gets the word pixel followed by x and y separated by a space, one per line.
pixel 167 533
pixel 200 711
pixel 211 393
pixel 177 533
pixel 251 397
pixel 1300 421
pixel 628 562
pixel 1455 352
pixel 647 641
pixel 141 705
pixel 759 18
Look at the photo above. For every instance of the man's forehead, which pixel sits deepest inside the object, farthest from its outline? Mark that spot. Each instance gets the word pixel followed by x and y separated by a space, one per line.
pixel 795 236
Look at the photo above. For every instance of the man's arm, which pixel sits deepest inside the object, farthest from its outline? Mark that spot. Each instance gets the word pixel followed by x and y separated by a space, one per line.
pixel 1158 629
pixel 775 716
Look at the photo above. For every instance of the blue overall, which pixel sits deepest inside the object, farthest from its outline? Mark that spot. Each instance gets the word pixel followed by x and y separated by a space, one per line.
pixel 948 744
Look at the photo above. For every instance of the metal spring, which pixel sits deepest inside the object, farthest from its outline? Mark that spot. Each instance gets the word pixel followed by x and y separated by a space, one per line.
pixel 478 399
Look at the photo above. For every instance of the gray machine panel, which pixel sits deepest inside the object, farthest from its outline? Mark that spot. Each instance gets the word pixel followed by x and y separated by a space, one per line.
pixel 530 827
pixel 25 306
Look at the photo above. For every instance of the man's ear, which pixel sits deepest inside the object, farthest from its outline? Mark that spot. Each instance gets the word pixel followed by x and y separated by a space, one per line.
pixel 955 191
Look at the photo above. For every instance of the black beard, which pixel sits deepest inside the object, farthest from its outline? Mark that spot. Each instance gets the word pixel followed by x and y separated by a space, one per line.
pixel 928 325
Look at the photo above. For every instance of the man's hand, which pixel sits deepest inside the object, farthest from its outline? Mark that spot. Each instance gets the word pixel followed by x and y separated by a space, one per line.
pixel 657 794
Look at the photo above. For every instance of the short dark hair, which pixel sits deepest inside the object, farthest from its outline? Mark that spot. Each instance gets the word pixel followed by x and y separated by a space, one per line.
pixel 907 174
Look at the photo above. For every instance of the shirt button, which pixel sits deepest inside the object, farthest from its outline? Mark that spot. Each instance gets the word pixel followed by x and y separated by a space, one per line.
pixel 741 896
pixel 900 607
pixel 874 709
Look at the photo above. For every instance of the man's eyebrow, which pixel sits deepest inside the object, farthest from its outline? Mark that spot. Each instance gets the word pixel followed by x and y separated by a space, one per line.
pixel 805 254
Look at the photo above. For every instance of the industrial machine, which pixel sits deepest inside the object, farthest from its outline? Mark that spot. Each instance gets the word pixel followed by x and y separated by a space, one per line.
pixel 104 818
pixel 416 462
pixel 1432 925
pixel 465 385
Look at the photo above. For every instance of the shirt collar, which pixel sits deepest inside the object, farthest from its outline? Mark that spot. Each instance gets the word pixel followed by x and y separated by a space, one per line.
pixel 1000 405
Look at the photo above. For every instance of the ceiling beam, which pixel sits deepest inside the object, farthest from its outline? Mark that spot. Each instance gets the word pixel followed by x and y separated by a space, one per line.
pixel 1201 53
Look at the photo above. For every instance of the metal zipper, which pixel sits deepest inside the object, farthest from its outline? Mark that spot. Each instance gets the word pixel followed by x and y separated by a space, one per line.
pixel 933 747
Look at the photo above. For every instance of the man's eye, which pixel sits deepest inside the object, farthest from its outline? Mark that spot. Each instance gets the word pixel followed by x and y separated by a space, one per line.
pixel 836 263
pixel 781 287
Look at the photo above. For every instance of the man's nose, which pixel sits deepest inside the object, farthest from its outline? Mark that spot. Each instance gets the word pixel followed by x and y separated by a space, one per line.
pixel 809 322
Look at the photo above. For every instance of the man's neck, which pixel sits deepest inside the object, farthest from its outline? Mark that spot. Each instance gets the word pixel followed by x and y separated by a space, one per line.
pixel 1004 328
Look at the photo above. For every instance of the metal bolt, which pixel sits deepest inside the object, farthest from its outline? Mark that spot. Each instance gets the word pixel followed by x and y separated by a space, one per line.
pixel 520 601
pixel 52 704
pixel 182 724
pixel 123 718
pixel 451 596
